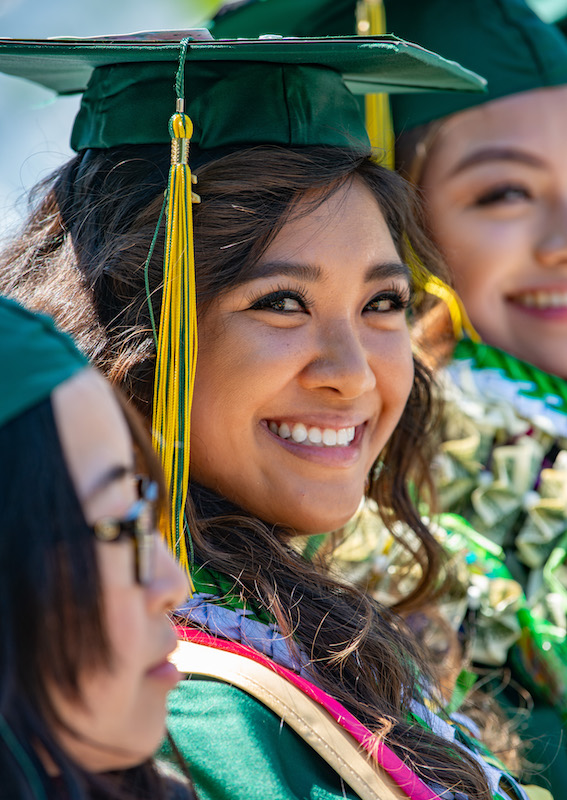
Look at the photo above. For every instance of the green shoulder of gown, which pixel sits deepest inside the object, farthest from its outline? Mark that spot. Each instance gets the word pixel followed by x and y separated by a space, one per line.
pixel 237 749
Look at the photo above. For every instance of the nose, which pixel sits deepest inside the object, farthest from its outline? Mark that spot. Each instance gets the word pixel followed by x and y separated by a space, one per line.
pixel 169 586
pixel 551 247
pixel 340 362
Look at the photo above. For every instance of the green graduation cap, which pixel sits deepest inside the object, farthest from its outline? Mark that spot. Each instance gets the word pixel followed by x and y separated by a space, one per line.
pixel 35 358
pixel 504 40
pixel 267 90
pixel 317 18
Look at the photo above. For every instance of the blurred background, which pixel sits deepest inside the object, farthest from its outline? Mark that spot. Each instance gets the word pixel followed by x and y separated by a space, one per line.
pixel 34 126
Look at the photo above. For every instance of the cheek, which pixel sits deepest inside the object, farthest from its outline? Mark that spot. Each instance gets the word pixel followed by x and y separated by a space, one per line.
pixel 249 363
pixel 392 364
pixel 125 617
pixel 478 251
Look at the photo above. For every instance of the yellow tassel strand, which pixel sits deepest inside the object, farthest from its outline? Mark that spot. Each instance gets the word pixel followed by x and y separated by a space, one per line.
pixel 426 281
pixel 459 317
pixel 177 338
pixel 371 21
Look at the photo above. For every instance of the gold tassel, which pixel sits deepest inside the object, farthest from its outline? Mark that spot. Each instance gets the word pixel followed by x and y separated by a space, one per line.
pixel 459 317
pixel 177 338
pixel 371 21
pixel 430 283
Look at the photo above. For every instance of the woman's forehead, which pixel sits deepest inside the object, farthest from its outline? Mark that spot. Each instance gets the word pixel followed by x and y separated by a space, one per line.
pixel 515 129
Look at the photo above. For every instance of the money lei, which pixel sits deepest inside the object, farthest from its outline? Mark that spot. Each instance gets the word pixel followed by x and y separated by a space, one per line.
pixel 504 468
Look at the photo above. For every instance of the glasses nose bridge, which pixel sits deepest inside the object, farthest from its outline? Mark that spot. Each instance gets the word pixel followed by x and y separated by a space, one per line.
pixel 145 527
pixel 138 525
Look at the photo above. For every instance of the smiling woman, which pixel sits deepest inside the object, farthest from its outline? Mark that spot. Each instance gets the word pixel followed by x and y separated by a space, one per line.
pixel 496 186
pixel 493 171
pixel 83 666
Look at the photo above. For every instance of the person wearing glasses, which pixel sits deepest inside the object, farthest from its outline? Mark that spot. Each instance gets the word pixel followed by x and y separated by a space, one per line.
pixel 86 583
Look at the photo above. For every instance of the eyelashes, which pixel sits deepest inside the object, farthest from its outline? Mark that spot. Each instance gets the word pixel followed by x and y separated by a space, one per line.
pixel 286 300
pixel 505 193
pixel 395 299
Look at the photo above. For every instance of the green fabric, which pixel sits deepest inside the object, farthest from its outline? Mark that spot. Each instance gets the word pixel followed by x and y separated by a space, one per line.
pixel 547 746
pixel 247 104
pixel 503 40
pixel 209 581
pixel 548 749
pixel 285 17
pixel 237 749
pixel 287 92
pixel 34 358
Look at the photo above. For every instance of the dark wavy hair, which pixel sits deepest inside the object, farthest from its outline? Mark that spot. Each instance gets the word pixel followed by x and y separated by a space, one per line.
pixel 51 623
pixel 81 258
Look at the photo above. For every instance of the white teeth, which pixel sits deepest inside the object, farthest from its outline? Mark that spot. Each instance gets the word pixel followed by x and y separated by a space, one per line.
pixel 319 437
pixel 315 435
pixel 543 300
pixel 299 432
pixel 329 437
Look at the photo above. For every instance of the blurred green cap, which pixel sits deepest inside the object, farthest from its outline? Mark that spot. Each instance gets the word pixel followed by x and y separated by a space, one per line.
pixel 35 358
pixel 251 18
pixel 504 40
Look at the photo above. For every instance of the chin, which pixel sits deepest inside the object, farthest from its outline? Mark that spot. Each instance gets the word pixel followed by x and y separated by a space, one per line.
pixel 313 523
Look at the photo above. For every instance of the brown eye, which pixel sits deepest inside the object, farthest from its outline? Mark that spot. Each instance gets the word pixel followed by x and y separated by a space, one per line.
pixel 282 301
pixel 508 193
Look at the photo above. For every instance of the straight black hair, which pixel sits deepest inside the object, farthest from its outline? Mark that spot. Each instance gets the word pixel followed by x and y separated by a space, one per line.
pixel 51 622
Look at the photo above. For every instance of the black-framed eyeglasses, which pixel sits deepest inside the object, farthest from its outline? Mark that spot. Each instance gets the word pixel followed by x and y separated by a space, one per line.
pixel 138 525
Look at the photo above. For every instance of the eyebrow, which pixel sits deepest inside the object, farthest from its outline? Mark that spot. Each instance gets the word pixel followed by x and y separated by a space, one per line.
pixel 115 473
pixel 487 154
pixel 311 273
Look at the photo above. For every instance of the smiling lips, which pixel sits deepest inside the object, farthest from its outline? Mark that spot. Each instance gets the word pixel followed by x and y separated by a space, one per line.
pixel 313 436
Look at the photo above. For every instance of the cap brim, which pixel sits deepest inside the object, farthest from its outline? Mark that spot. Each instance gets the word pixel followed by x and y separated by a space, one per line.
pixel 368 64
